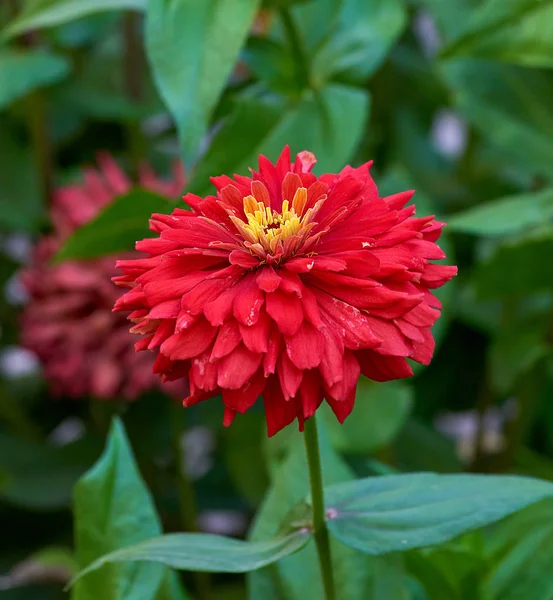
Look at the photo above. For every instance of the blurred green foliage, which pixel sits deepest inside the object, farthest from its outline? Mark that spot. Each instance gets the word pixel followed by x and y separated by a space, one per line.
pixel 450 98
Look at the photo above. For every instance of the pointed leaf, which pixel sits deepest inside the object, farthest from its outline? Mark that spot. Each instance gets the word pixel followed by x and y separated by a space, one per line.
pixel 192 47
pixel 113 508
pixel 394 513
pixel 117 227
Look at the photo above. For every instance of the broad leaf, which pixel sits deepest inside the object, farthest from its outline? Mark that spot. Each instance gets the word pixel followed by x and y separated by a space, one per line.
pixel 506 215
pixel 380 410
pixel 328 123
pixel 204 552
pixel 113 508
pixel 192 47
pixel 48 13
pixel 521 555
pixel 517 267
pixel 517 31
pixel 22 71
pixel 366 31
pixel 298 577
pixel 117 227
pixel 394 513
pixel 507 105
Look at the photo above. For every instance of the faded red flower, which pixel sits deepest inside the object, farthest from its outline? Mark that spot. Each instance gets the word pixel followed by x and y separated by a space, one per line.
pixel 288 286
pixel 83 346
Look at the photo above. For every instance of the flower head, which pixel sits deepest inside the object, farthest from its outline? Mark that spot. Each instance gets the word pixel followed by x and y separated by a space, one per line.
pixel 83 346
pixel 287 286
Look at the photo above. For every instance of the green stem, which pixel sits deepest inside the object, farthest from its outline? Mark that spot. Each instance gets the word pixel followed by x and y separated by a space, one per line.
pixel 187 497
pixel 298 49
pixel 311 439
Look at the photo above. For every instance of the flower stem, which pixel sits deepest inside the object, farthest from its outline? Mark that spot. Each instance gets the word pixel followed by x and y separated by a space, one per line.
pixel 187 497
pixel 297 47
pixel 311 439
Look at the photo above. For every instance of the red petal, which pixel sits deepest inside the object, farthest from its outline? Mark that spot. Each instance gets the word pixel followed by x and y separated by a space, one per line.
pixel 291 183
pixel 227 340
pixel 311 393
pixel 237 367
pixel 228 417
pixel 267 279
pixel 249 302
pixel 289 376
pixel 342 408
pixel 275 347
pixel 190 342
pixel 242 399
pixel 285 310
pixel 383 368
pixel 351 371
pixel 256 337
pixel 278 412
pixel 423 351
pixel 394 342
pixel 305 348
pixel 203 373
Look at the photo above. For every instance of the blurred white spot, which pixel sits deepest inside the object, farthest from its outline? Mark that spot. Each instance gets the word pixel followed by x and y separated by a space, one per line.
pixel 15 292
pixel 449 133
pixel 157 124
pixel 427 33
pixel 16 362
pixel 18 247
pixel 223 522
pixel 69 430
pixel 198 445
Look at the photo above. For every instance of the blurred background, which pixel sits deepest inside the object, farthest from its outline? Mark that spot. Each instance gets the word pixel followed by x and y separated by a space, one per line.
pixel 453 99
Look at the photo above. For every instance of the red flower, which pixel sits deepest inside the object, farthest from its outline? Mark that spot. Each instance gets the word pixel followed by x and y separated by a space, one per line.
pixel 287 286
pixel 85 348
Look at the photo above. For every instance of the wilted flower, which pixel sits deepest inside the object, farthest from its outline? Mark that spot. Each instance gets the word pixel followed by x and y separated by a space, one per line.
pixel 288 286
pixel 85 348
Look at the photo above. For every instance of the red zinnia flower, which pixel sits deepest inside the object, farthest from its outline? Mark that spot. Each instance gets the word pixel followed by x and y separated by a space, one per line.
pixel 288 286
pixel 85 348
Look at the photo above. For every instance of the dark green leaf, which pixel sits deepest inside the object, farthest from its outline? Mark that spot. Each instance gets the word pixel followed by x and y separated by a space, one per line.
pixel 205 552
pixel 506 215
pixel 508 105
pixel 517 267
pixel 22 71
pixel 40 476
pixel 394 513
pixel 37 14
pixel 366 31
pixel 113 508
pixel 192 47
pixel 117 227
pixel 328 123
pixel 171 588
pixel 518 31
pixel 381 409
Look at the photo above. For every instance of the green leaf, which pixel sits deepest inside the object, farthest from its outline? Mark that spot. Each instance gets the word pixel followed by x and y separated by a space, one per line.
pixel 117 227
pixel 366 31
pixel 517 267
pixel 39 476
pixel 518 31
pixel 380 411
pixel 505 216
pixel 395 513
pixel 298 577
pixel 37 14
pixel 22 71
pixel 508 105
pixel 18 180
pixel 329 123
pixel 192 47
pixel 205 552
pixel 171 588
pixel 522 551
pixel 113 508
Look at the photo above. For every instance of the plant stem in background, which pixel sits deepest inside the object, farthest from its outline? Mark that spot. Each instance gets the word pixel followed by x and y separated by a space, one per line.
pixel 311 438
pixel 133 66
pixel 298 49
pixel 187 497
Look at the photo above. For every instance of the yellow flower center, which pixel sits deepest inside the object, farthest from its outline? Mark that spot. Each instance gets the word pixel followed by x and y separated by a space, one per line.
pixel 269 228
